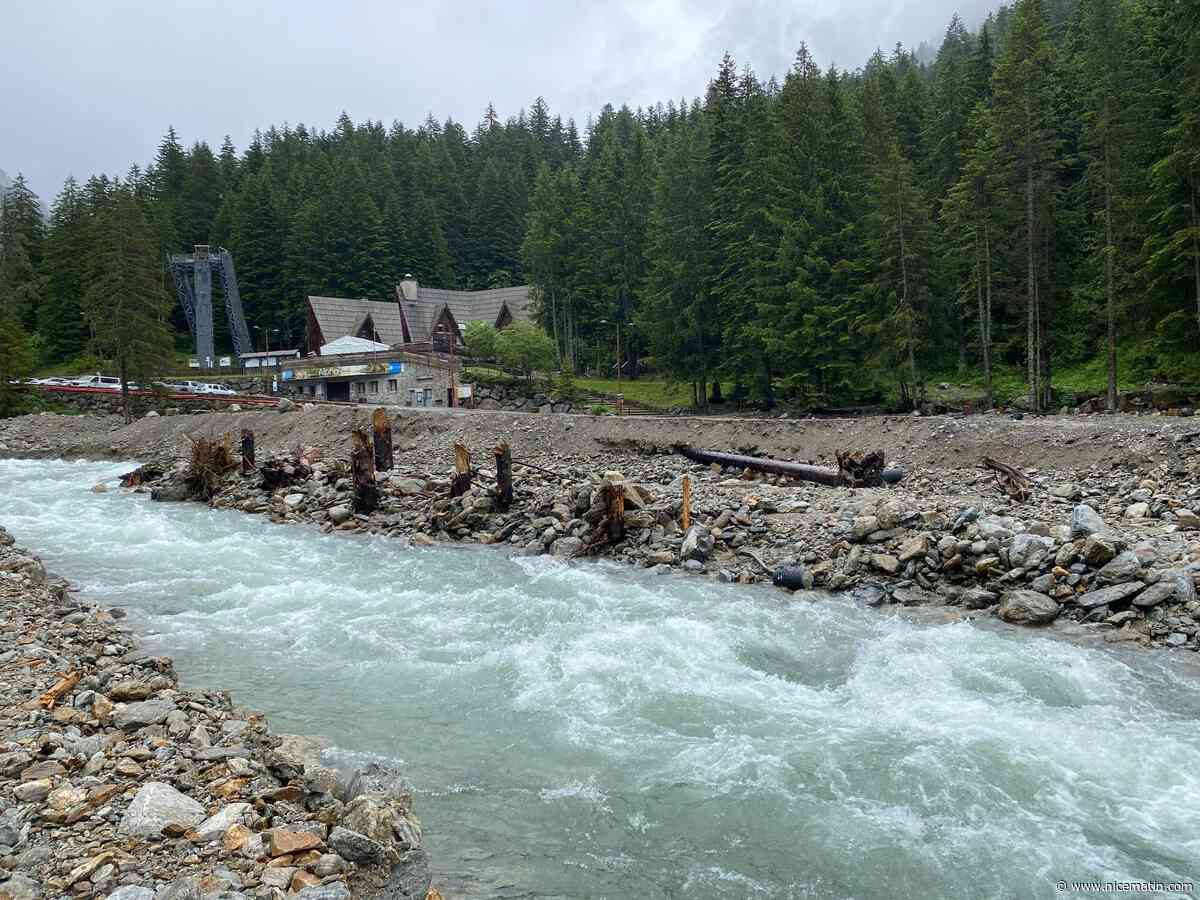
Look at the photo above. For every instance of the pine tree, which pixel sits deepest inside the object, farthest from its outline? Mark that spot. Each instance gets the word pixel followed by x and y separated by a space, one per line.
pixel 22 232
pixel 1023 88
pixel 125 302
pixel 60 316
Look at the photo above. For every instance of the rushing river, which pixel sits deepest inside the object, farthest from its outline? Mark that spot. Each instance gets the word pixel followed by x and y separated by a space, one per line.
pixel 584 730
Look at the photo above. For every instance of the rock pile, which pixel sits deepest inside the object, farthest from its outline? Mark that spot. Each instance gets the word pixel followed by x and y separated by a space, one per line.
pixel 115 782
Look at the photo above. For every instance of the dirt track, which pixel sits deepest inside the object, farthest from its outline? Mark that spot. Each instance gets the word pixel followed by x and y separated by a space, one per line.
pixel 1065 443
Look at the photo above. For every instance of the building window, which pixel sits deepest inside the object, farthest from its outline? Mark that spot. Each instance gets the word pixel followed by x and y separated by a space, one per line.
pixel 412 397
pixel 360 388
pixel 374 387
pixel 392 386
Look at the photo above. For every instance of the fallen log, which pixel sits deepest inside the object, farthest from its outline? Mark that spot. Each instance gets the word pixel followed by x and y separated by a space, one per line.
pixel 1013 481
pixel 854 469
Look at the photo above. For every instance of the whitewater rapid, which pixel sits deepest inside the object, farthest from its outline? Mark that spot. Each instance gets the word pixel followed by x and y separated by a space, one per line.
pixel 585 730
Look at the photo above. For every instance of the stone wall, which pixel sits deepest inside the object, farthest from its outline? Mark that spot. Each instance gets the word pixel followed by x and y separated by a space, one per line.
pixel 519 398
pixel 104 402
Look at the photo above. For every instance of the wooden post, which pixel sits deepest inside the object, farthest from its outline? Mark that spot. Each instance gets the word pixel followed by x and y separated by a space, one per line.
pixel 687 502
pixel 248 465
pixel 362 471
pixel 460 483
pixel 504 490
pixel 382 435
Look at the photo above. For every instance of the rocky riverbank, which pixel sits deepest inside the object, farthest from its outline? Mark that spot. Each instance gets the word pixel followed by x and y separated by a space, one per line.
pixel 116 782
pixel 1114 548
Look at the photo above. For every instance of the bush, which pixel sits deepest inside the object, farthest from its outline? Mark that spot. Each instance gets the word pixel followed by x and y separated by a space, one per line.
pixel 480 338
pixel 599 409
pixel 480 375
pixel 563 387
pixel 526 348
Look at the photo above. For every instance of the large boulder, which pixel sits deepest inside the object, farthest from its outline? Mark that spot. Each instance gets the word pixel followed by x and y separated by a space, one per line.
pixel 356 847
pixel 138 715
pixel 697 544
pixel 1086 521
pixel 1029 550
pixel 216 825
pixel 1122 567
pixel 410 879
pixel 1023 607
pixel 156 806
pixel 1109 595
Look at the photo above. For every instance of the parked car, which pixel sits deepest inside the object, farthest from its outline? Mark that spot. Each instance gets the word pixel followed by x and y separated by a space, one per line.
pixel 53 380
pixel 200 387
pixel 104 382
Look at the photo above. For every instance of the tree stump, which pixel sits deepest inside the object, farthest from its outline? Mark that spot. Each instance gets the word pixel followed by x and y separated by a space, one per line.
pixel 381 429
pixel 362 472
pixel 504 489
pixel 460 481
pixel 248 464
pixel 687 503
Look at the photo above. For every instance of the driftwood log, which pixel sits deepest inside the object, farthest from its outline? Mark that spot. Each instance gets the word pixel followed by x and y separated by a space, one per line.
pixel 60 688
pixel 362 471
pixel 1013 481
pixel 381 434
pixel 854 469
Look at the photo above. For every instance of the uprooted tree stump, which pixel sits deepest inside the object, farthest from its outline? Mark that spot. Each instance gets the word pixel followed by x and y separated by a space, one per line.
pixel 460 481
pixel 1013 481
pixel 611 528
pixel 362 472
pixel 381 434
pixel 211 461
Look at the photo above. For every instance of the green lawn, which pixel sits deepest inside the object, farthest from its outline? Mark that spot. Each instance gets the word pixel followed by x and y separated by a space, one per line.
pixel 661 394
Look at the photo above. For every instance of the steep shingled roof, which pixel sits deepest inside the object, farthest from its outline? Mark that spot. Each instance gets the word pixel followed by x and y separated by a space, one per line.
pixel 338 317
pixel 466 306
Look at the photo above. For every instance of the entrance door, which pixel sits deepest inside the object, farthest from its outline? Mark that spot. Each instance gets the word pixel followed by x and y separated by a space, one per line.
pixel 338 390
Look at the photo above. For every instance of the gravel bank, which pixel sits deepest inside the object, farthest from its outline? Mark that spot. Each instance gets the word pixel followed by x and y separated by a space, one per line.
pixel 115 782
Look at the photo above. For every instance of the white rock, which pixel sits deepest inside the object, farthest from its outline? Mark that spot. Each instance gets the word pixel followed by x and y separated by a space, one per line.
pixel 157 805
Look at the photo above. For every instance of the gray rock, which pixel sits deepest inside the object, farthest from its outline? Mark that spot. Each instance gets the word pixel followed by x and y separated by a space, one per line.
pixel 157 805
pixel 21 887
pixel 914 596
pixel 335 891
pixel 863 526
pixel 1113 594
pixel 1086 521
pixel 410 878
pixel 147 712
pixel 566 547
pixel 286 405
pixel 216 825
pixel 1065 491
pixel 339 514
pixel 1002 528
pixel 1176 639
pixel 1023 607
pixel 1097 549
pixel 1137 510
pixel 406 486
pixel 1029 550
pixel 356 847
pixel 1161 590
pixel 978 598
pixel 187 888
pixel 697 544
pixel 132 892
pixel 1122 567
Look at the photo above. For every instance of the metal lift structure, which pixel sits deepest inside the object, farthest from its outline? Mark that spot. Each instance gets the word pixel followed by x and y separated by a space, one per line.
pixel 193 274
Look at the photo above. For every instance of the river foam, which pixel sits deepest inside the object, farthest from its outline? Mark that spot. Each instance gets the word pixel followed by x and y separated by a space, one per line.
pixel 583 730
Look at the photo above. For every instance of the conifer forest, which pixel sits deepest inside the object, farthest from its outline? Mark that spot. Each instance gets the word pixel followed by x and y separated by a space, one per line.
pixel 1022 199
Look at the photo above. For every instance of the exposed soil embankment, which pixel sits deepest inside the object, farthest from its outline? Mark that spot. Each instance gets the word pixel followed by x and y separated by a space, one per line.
pixel 1066 443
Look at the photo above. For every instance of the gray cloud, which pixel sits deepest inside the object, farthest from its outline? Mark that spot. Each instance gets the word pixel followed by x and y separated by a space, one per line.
pixel 90 87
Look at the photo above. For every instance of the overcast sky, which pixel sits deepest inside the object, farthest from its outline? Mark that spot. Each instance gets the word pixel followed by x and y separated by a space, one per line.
pixel 90 86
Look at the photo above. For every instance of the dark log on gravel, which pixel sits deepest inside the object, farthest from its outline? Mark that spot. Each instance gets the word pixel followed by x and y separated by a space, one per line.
pixel 854 469
pixel 381 433
pixel 281 472
pixel 504 489
pixel 362 472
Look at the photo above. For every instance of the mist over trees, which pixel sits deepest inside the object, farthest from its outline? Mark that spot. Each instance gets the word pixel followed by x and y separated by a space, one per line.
pixel 1027 201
